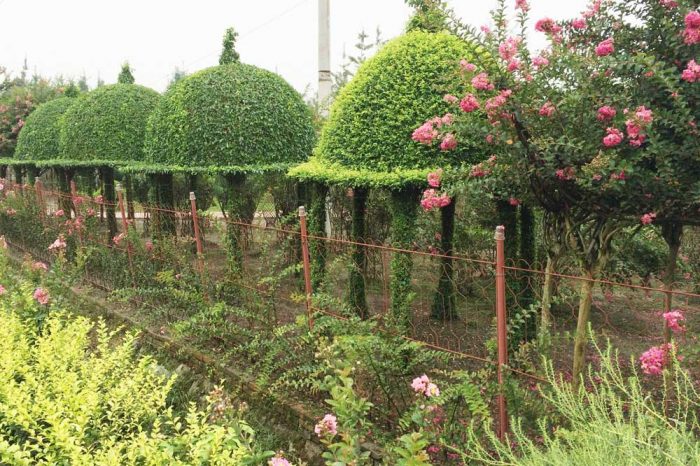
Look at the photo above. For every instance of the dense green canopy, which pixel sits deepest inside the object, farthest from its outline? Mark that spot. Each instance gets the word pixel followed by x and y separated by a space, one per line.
pixel 106 126
pixel 38 139
pixel 229 118
pixel 367 140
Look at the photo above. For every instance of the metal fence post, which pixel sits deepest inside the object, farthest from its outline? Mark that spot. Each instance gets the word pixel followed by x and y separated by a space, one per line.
pixel 502 335
pixel 307 265
pixel 197 236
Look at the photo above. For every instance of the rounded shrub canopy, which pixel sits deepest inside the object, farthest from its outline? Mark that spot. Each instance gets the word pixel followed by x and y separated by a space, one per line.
pixel 106 126
pixel 367 139
pixel 38 140
pixel 229 118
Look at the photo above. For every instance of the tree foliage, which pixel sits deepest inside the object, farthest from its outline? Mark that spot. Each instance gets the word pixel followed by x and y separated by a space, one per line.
pixel 39 138
pixel 229 54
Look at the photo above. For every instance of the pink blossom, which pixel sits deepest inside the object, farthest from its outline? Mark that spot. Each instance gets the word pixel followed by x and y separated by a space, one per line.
pixel 2 290
pixel 594 8
pixel 39 267
pixel 547 109
pixel 653 360
pixel 509 49
pixel 633 128
pixel 424 386
pixel 466 66
pixel 328 426
pixel 278 461
pixel 638 141
pixel 469 103
pixel 691 34
pixel 579 23
pixel 432 200
pixel 540 61
pixel 149 245
pixel 485 29
pixel 59 213
pixel 41 296
pixel 449 142
pixel 425 134
pixel 447 119
pixel 619 176
pixel 614 137
pixel 668 3
pixel 648 218
pixel 490 138
pixel 606 113
pixel 605 48
pixel 565 174
pixel 547 25
pixel 514 201
pixel 675 320
pixel 522 5
pixel 99 199
pixel 513 65
pixel 482 83
pixel 449 98
pixel 118 239
pixel 58 245
pixel 643 114
pixel 90 212
pixel 692 72
pixel 434 178
pixel 692 20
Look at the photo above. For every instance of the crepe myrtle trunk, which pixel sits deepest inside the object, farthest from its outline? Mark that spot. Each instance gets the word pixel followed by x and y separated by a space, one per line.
pixel 444 307
pixel 404 207
pixel 317 227
pixel 165 215
pixel 107 175
pixel 357 298
pixel 672 233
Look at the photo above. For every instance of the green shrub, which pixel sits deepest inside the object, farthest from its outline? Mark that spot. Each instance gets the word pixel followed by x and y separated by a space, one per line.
pixel 230 118
pixel 371 121
pixel 107 126
pixel 38 139
pixel 77 394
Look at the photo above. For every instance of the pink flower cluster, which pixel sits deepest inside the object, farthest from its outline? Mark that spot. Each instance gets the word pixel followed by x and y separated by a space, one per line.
pixel 593 9
pixel 39 267
pixel 58 245
pixel 484 168
pixel 42 296
pixel 424 386
pixel 540 61
pixel 547 109
pixel 509 49
pixel 669 3
pixel 466 66
pixel 613 137
pixel 481 82
pixel 2 290
pixel 327 427
pixel 425 134
pixel 469 103
pixel 579 23
pixel 605 48
pixel 434 178
pixel 278 461
pixel 648 218
pixel 565 174
pixel 547 25
pixel 692 72
pixel 675 320
pixel 635 125
pixel 691 35
pixel 434 200
pixel 449 142
pixel 606 113
pixel 653 360
pixel 522 5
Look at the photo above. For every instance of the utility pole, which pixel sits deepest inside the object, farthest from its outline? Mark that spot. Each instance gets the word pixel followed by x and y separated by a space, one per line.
pixel 324 56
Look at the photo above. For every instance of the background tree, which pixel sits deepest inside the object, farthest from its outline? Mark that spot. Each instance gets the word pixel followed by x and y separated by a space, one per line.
pixel 228 51
pixel 125 75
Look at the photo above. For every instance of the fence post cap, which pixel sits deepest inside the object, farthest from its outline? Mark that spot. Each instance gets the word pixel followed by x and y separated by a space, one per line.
pixel 302 211
pixel 500 233
pixel 192 196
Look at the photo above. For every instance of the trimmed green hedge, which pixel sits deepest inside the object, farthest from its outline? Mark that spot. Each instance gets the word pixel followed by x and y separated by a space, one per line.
pixel 39 137
pixel 367 140
pixel 230 118
pixel 107 126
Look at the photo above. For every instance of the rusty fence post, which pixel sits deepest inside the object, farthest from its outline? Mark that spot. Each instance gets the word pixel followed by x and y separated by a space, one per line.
pixel 307 266
pixel 38 187
pixel 125 224
pixel 501 333
pixel 197 235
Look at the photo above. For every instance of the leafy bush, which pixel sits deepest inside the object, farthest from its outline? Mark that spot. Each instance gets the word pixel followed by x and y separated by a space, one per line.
pixel 38 139
pixel 232 118
pixel 107 126
pixel 371 122
pixel 77 394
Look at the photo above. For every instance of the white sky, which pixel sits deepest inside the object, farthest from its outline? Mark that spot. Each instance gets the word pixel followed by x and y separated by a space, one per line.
pixel 72 37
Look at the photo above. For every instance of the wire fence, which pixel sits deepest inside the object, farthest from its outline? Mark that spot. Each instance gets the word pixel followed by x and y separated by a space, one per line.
pixel 468 306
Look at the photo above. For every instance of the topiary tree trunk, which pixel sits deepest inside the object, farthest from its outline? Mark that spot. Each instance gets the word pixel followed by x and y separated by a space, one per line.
pixel 165 217
pixel 3 172
pixel 32 174
pixel 237 212
pixel 107 175
pixel 444 306
pixel 64 177
pixel 317 227
pixel 357 298
pixel 527 257
pixel 19 174
pixel 129 188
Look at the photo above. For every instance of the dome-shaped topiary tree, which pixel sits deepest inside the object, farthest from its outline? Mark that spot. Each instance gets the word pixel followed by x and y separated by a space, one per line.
pixel 233 119
pixel 366 143
pixel 105 128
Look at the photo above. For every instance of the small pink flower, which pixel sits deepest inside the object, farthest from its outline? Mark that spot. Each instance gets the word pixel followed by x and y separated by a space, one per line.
pixel 42 296
pixel 90 212
pixel 514 201
pixel 540 61
pixel 653 360
pixel 513 65
pixel 547 109
pixel 432 200
pixel 579 23
pixel 482 83
pixel 614 137
pixel 449 142
pixel 691 34
pixel 118 239
pixel 490 138
pixel 279 461
pixel 469 103
pixel 466 66
pixel 669 3
pixel 522 5
pixel 58 245
pixel 675 320
pixel 485 29
pixel 692 20
pixel 450 99
pixel 2 290
pixel 434 179
pixel 565 174
pixel 547 25
pixel 327 427
pixel 648 219
pixel 509 49
pixel 644 115
pixel 39 267
pixel 425 134
pixel 606 113
pixel 692 72
pixel 59 213
pixel 422 385
pixel 605 48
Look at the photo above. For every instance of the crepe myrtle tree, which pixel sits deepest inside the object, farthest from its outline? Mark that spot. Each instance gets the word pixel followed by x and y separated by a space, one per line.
pixel 587 128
